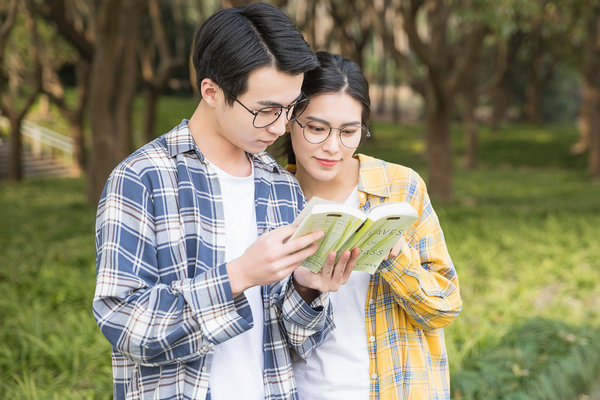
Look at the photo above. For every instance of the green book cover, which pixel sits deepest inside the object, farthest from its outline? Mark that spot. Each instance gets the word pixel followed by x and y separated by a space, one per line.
pixel 346 228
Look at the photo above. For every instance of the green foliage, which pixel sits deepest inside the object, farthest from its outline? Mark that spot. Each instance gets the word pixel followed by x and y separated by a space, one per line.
pixel 522 232
pixel 50 346
pixel 536 359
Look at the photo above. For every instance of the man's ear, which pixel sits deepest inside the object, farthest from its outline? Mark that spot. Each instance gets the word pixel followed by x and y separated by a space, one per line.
pixel 210 91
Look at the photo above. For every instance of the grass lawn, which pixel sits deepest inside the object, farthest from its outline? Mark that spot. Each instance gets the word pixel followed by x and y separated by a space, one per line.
pixel 522 230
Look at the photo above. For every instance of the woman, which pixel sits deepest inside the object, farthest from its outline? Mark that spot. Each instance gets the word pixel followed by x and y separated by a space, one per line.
pixel 388 342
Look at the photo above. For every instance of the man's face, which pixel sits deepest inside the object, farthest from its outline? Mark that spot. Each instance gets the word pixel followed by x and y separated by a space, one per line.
pixel 266 87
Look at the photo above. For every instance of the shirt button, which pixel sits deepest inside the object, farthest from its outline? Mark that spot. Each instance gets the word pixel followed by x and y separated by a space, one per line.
pixel 204 368
pixel 372 338
pixel 384 270
pixel 371 301
pixel 373 376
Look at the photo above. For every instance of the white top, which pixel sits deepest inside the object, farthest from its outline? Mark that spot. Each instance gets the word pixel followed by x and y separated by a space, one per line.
pixel 237 367
pixel 339 368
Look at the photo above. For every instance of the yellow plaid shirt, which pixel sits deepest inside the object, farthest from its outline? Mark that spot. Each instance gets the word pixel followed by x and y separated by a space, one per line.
pixel 410 298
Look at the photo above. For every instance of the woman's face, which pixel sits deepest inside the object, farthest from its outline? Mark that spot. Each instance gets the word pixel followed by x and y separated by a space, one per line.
pixel 325 160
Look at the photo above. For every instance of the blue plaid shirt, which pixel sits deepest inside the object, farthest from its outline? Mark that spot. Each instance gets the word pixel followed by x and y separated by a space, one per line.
pixel 163 298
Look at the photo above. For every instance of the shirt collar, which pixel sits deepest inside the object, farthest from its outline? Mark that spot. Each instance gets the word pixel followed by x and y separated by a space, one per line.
pixel 373 176
pixel 179 140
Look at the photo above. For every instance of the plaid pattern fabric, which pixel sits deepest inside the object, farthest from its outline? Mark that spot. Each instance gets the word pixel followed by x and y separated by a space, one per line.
pixel 410 298
pixel 163 298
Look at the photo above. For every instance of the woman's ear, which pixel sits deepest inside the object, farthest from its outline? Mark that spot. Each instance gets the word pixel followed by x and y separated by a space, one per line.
pixel 210 91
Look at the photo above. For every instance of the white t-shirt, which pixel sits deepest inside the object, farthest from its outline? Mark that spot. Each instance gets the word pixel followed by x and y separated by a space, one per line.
pixel 237 367
pixel 339 368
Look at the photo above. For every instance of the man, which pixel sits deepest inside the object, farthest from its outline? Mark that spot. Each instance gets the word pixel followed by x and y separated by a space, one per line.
pixel 193 259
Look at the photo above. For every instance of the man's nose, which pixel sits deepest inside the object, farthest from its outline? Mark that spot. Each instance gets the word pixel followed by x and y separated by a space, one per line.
pixel 278 127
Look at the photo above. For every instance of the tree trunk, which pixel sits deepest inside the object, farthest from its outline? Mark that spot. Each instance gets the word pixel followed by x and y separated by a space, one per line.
pixel 500 99
pixel 79 141
pixel 113 82
pixel 44 107
pixel 591 89
pixel 590 114
pixel 396 104
pixel 470 127
pixel 533 100
pixel 594 154
pixel 439 149
pixel 382 84
pixel 15 173
pixel 78 115
pixel 151 100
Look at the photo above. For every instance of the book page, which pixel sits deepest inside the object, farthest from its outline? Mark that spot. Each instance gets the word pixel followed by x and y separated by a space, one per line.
pixel 377 242
pixel 379 234
pixel 338 227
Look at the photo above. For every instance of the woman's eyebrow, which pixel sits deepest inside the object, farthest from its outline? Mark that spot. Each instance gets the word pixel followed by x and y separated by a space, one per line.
pixel 315 119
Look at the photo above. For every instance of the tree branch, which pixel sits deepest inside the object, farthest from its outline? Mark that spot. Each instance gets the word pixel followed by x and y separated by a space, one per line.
pixel 465 64
pixel 409 11
pixel 55 9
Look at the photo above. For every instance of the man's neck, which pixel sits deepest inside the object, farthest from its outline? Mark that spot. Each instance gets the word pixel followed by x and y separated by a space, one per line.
pixel 213 145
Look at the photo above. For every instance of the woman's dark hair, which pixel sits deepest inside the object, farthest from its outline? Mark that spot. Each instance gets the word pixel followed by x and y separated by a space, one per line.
pixel 235 41
pixel 335 74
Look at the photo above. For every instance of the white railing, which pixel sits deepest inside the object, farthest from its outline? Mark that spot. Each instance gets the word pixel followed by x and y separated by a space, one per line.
pixel 44 140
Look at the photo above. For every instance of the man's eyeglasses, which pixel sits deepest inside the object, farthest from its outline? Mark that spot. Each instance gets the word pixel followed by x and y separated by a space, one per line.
pixel 350 136
pixel 266 116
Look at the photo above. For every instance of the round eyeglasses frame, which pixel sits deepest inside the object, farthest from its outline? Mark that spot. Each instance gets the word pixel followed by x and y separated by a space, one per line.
pixel 290 111
pixel 363 129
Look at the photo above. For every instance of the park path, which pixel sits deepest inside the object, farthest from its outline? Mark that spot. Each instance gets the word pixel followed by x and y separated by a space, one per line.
pixel 33 165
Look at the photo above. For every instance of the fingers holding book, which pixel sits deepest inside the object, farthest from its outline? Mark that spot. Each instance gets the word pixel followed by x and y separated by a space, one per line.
pixel 271 258
pixel 331 277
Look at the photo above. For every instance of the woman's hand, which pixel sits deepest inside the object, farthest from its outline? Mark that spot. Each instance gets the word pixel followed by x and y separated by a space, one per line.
pixel 309 285
pixel 396 249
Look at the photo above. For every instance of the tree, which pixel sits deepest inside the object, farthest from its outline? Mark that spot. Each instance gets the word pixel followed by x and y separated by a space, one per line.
pixel 590 73
pixel 57 55
pixel 20 75
pixel 157 60
pixel 111 52
pixel 447 46
pixel 351 27
pixel 481 82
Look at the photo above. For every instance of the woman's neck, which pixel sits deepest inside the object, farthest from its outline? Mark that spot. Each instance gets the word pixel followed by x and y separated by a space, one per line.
pixel 338 189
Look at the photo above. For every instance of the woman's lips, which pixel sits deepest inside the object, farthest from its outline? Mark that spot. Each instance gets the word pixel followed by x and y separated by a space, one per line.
pixel 326 163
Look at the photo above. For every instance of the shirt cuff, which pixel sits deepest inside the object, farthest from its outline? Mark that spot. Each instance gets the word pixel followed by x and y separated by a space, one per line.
pixel 298 312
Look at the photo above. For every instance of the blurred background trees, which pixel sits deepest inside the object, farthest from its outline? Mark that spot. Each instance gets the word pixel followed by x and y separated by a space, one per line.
pixel 439 62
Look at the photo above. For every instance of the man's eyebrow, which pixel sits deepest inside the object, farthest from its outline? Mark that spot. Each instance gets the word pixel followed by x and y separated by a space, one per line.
pixel 275 104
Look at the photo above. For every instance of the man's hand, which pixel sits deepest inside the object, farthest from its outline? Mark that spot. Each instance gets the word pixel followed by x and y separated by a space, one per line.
pixel 271 258
pixel 309 285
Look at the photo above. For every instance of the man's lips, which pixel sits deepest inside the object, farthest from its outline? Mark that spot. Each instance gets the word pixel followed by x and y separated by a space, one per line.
pixel 325 162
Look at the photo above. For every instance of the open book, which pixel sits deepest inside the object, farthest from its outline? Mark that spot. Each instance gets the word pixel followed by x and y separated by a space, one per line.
pixel 346 228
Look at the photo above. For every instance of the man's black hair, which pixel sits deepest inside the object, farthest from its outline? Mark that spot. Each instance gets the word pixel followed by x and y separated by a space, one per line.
pixel 235 41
